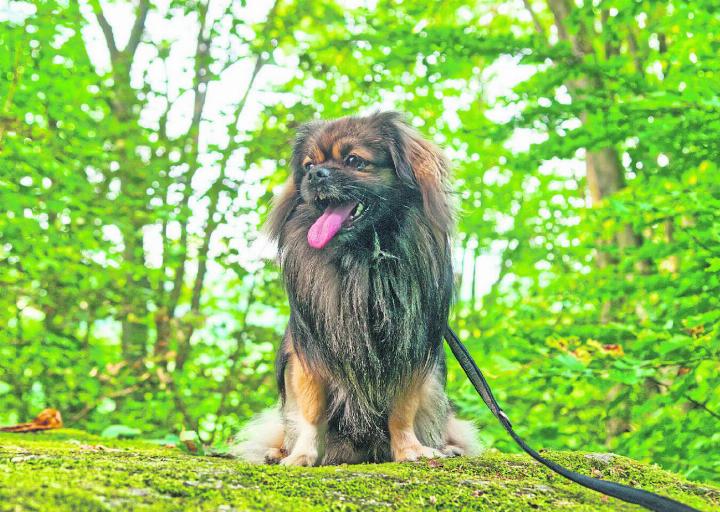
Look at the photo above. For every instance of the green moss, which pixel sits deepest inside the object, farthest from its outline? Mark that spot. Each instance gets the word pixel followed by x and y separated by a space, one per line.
pixel 72 470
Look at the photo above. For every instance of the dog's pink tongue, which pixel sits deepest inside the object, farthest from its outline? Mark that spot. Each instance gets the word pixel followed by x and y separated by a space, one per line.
pixel 329 223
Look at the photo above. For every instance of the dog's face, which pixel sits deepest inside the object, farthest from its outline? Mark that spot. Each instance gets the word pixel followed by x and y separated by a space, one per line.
pixel 352 174
pixel 345 171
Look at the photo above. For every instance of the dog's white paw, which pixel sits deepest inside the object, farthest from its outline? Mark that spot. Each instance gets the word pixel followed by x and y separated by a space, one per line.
pixel 450 450
pixel 300 458
pixel 415 452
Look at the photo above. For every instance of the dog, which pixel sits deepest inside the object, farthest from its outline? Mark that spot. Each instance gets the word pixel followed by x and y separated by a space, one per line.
pixel 363 227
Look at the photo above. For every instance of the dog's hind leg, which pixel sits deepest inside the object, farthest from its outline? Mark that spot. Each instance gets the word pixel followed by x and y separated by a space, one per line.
pixel 305 409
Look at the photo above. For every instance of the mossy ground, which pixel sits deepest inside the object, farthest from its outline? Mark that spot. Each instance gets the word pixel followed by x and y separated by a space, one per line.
pixel 71 470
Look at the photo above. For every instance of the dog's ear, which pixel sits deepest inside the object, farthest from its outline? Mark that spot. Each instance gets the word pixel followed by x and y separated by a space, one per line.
pixel 421 166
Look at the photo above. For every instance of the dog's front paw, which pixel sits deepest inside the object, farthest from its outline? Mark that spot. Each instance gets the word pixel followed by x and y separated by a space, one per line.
pixel 274 455
pixel 450 450
pixel 415 452
pixel 300 458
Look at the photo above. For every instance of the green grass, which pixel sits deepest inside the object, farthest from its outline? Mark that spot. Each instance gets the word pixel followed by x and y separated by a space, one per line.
pixel 72 470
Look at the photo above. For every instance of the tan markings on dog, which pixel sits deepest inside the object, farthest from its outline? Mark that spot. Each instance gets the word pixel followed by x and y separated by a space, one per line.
pixel 337 148
pixel 345 146
pixel 308 393
pixel 351 147
pixel 363 153
pixel 315 155
pixel 404 444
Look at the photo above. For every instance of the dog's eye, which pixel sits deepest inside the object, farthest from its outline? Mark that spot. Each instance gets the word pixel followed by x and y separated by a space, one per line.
pixel 308 165
pixel 355 161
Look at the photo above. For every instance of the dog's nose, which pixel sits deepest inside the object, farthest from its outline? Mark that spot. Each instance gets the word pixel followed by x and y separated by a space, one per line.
pixel 318 173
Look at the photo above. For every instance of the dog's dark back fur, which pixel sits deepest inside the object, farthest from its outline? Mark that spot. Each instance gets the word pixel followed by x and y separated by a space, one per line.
pixel 369 314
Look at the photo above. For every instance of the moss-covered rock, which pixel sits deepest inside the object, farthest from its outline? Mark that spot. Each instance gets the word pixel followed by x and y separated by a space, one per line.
pixel 71 470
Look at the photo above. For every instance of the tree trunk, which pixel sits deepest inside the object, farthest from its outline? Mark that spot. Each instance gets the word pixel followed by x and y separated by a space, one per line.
pixel 134 321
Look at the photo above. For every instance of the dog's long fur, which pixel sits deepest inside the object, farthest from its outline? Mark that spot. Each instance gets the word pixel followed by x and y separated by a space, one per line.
pixel 361 369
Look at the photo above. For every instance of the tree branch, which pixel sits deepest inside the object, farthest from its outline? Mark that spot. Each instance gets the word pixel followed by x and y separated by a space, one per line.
pixel 688 398
pixel 91 407
pixel 560 11
pixel 138 29
pixel 106 29
pixel 214 191
pixel 635 52
pixel 536 21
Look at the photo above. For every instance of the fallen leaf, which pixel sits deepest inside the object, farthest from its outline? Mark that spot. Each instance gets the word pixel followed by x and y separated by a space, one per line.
pixel 190 440
pixel 47 420
pixel 191 446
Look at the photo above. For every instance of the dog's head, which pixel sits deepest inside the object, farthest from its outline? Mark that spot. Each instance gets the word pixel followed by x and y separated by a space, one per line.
pixel 354 173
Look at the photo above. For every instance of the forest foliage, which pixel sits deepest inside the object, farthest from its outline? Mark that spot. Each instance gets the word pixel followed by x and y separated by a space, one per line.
pixel 140 144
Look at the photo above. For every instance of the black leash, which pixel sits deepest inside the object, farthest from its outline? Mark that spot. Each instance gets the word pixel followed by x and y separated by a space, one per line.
pixel 646 499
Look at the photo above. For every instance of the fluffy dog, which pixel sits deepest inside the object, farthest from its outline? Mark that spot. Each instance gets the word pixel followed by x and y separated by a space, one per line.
pixel 363 227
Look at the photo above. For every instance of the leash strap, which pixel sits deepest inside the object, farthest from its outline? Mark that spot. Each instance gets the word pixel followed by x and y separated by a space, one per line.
pixel 649 500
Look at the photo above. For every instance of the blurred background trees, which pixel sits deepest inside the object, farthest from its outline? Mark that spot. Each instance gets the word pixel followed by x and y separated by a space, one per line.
pixel 141 142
